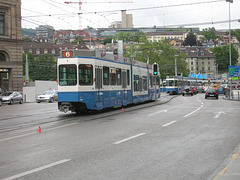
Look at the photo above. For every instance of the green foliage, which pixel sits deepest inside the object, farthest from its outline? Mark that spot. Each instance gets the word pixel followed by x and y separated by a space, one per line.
pixel 108 40
pixel 236 33
pixel 222 57
pixel 161 53
pixel 43 67
pixel 190 40
pixel 27 39
pixel 131 37
pixel 28 32
pixel 209 34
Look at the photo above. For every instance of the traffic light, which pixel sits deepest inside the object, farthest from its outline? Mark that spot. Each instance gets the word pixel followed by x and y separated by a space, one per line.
pixel 155 69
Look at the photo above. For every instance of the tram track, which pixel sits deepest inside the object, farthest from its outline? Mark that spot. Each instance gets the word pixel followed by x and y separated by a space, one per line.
pixel 34 119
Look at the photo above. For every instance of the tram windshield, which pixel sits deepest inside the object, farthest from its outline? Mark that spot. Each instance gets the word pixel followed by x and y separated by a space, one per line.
pixel 67 75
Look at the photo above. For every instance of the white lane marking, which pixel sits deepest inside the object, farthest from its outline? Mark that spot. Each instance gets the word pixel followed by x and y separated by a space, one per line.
pixel 157 112
pixel 28 134
pixel 198 100
pixel 218 114
pixel 168 124
pixel 127 139
pixel 193 111
pixel 37 169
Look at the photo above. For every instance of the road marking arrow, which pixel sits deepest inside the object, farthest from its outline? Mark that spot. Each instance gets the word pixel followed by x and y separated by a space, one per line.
pixel 157 112
pixel 218 114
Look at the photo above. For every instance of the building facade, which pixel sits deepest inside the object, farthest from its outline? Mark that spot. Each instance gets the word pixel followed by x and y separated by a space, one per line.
pixel 45 33
pixel 11 68
pixel 200 60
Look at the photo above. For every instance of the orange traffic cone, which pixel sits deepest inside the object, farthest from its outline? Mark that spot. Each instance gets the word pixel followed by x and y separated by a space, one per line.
pixel 39 129
pixel 122 110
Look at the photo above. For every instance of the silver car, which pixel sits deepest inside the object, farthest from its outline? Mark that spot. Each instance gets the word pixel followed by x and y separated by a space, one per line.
pixel 47 96
pixel 12 97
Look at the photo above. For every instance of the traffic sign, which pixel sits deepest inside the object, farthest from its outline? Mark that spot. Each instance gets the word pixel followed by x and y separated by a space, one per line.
pixel 234 71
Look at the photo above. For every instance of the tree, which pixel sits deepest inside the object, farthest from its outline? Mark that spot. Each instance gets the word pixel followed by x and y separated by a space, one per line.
pixel 190 39
pixel 236 33
pixel 209 34
pixel 43 67
pixel 27 39
pixel 161 53
pixel 222 57
pixel 108 40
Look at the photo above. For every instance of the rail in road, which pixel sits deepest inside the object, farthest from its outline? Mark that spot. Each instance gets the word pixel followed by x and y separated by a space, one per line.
pixel 186 138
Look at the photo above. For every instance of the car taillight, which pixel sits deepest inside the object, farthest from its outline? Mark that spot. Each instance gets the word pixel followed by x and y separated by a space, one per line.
pixel 216 93
pixel 206 92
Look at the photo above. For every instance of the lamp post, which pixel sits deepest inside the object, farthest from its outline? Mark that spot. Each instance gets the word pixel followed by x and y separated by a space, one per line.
pixel 176 65
pixel 230 52
pixel 230 57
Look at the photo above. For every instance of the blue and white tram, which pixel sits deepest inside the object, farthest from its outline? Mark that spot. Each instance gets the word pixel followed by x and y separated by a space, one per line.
pixel 174 85
pixel 89 82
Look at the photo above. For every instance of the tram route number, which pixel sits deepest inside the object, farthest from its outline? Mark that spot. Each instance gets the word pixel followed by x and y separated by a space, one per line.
pixel 67 54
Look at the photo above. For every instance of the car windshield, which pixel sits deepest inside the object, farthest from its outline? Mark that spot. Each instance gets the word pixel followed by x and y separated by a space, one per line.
pixel 48 92
pixel 211 90
pixel 7 94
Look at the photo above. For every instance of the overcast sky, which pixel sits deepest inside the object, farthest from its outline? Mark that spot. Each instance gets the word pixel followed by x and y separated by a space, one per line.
pixel 146 13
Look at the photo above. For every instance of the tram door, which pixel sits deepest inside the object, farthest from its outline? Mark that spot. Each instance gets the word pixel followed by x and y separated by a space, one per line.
pixel 99 86
pixel 124 86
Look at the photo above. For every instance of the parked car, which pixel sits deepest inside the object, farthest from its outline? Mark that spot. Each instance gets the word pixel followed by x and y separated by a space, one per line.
pixel 12 97
pixel 187 90
pixel 47 96
pixel 211 92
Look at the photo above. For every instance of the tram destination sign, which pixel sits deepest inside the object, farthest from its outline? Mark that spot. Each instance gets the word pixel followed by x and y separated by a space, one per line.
pixel 234 71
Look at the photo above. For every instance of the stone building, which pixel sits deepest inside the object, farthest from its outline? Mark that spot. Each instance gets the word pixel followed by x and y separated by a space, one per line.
pixel 200 60
pixel 11 68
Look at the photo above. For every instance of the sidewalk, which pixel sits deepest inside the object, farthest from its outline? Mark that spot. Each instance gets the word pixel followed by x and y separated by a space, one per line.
pixel 232 170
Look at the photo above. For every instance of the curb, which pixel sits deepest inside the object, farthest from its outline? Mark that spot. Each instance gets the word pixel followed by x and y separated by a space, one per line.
pixel 234 157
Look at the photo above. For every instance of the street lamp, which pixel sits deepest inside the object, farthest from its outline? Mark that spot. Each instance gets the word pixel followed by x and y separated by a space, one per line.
pixel 230 56
pixel 176 64
pixel 230 52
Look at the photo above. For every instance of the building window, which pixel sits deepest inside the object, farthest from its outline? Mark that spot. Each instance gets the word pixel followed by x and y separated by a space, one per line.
pixel 208 63
pixel 191 62
pixel 208 68
pixel 203 63
pixel 2 24
pixel 2 57
pixel 202 69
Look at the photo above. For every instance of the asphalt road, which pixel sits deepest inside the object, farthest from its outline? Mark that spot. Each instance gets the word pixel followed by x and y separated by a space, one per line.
pixel 187 138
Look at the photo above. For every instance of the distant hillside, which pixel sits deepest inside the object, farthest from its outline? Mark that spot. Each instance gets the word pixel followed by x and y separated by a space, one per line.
pixel 28 32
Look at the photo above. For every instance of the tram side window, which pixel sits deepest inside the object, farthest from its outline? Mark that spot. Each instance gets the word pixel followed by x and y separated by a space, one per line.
pixel 85 74
pixel 140 84
pixel 112 76
pixel 144 83
pixel 136 82
pixel 118 76
pixel 67 75
pixel 105 75
pixel 128 77
pixel 151 80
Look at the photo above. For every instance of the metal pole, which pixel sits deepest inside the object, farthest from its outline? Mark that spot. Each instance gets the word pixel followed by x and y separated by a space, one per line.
pixel 176 65
pixel 26 69
pixel 155 89
pixel 230 54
